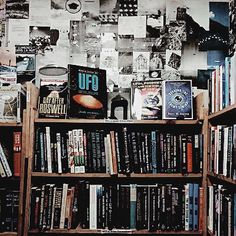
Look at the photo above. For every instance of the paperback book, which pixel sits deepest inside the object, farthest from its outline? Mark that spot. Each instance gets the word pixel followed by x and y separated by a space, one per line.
pixel 87 92
pixel 10 103
pixel 53 98
pixel 146 99
pixel 25 63
pixel 177 99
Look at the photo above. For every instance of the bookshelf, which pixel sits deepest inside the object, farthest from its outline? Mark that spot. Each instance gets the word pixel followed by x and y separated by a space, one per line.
pixel 220 180
pixel 34 178
pixel 15 183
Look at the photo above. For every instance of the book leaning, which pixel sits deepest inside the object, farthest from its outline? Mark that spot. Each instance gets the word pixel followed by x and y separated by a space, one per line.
pixel 10 103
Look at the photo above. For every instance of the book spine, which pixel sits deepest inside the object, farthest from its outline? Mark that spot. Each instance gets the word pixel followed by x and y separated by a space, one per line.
pixel 48 149
pixel 154 152
pixel 195 206
pixel 57 208
pixel 59 162
pixel 81 151
pixel 201 207
pixel 93 206
pixel 189 154
pixel 133 201
pixel 103 155
pixel 126 150
pixel 4 162
pixel 40 225
pixel 71 152
pixel 17 153
pixel 64 153
pixel 152 223
pixel 63 206
pixel 8 207
pixel 187 220
pixel 118 154
pixel 113 152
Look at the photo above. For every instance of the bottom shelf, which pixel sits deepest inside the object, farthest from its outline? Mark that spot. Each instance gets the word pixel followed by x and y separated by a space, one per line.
pixel 8 233
pixel 122 232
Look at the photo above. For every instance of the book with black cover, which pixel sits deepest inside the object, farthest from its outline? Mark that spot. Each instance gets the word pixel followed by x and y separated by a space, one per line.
pixel 146 100
pixel 87 92
pixel 177 99
pixel 52 98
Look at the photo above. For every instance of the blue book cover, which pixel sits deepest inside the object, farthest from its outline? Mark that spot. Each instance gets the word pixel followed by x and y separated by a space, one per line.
pixel 154 152
pixel 195 206
pixel 191 206
pixel 177 99
pixel 133 201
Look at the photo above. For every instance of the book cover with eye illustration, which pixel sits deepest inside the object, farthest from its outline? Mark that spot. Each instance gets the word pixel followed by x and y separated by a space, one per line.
pixel 87 92
pixel 146 100
pixel 177 99
pixel 53 98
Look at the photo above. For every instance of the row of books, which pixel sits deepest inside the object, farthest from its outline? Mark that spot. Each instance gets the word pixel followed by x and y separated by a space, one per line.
pixel 222 84
pixel 117 151
pixel 222 150
pixel 9 205
pixel 11 165
pixel 117 206
pixel 221 210
pixel 88 98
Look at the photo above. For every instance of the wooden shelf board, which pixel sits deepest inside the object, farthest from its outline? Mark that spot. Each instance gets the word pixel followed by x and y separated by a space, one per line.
pixel 223 113
pixel 10 124
pixel 222 178
pixel 107 121
pixel 12 178
pixel 88 231
pixel 8 234
pixel 104 175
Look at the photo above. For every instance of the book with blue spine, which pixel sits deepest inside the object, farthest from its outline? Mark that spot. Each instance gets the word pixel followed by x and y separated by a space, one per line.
pixel 154 152
pixel 195 206
pixel 133 202
pixel 190 206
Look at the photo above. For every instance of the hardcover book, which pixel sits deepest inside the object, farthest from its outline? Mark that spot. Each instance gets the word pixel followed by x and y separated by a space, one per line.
pixel 146 100
pixel 52 98
pixel 177 99
pixel 87 92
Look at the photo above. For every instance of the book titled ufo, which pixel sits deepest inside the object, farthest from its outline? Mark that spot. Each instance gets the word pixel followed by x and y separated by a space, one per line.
pixel 87 92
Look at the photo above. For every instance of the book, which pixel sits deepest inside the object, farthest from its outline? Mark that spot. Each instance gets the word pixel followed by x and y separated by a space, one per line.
pixel 10 103
pixel 52 98
pixel 87 92
pixel 146 100
pixel 177 99
pixel 17 152
pixel 25 63
pixel 4 162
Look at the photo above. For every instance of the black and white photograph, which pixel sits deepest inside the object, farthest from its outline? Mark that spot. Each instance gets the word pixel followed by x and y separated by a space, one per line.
pixel 141 61
pixel 17 9
pixel 7 65
pixel 173 59
pixel 149 7
pixel 40 38
pixel 125 62
pixel 128 7
pixel 217 38
pixel 2 10
pixel 109 10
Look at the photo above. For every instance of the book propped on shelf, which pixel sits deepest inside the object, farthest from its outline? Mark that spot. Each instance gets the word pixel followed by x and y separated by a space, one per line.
pixel 5 169
pixel 52 98
pixel 10 103
pixel 146 100
pixel 177 99
pixel 87 92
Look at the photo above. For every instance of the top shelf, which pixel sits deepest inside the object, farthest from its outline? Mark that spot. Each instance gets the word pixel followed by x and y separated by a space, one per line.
pixel 224 115
pixel 108 121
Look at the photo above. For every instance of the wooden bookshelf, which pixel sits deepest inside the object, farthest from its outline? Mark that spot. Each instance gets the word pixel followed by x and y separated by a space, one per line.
pixel 223 115
pixel 104 175
pixel 108 121
pixel 221 178
pixel 10 124
pixel 120 232
pixel 8 234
